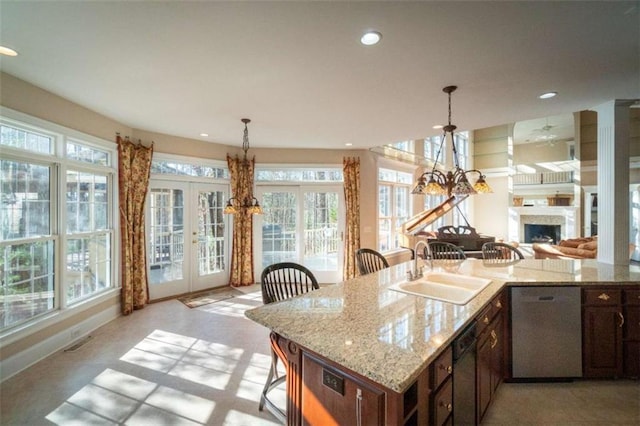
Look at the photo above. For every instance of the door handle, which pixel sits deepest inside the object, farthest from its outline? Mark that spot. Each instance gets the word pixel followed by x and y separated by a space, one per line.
pixel 621 319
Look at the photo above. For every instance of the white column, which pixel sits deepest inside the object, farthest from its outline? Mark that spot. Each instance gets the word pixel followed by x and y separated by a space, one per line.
pixel 613 182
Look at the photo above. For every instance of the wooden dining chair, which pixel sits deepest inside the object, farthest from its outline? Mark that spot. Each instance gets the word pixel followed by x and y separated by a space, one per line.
pixel 281 281
pixel 441 250
pixel 369 260
pixel 500 252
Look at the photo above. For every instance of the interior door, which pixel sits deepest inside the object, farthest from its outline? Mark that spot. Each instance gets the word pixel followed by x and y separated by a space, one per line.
pixel 302 224
pixel 186 237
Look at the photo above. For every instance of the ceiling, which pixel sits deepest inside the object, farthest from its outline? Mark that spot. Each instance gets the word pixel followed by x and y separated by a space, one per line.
pixel 298 70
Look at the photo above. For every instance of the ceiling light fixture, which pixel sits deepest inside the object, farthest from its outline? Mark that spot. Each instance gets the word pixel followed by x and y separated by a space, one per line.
pixel 204 135
pixel 250 203
pixel 7 51
pixel 548 95
pixel 370 38
pixel 454 182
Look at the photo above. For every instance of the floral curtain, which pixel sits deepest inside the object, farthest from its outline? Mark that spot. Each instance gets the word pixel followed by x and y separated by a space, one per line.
pixel 351 172
pixel 241 269
pixel 134 167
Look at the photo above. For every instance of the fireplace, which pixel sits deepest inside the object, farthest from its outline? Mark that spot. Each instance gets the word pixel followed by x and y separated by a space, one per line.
pixel 558 223
pixel 536 233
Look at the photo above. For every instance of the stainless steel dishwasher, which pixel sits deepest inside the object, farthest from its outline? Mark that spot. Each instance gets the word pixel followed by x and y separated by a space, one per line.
pixel 464 377
pixel 546 332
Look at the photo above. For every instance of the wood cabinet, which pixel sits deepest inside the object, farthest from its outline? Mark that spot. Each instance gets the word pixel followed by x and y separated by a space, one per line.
pixel 631 333
pixel 330 397
pixel 442 388
pixel 602 321
pixel 490 354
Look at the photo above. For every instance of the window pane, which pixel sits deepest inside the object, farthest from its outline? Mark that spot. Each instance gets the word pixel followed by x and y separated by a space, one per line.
pixel 88 266
pixel 26 273
pixel 169 167
pixel 27 140
pixel 384 234
pixel 87 154
pixel 87 202
pixel 384 200
pixel 25 198
pixel 296 175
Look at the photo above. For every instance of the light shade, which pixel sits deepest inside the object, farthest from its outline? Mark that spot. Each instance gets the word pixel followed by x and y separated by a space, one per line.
pixel 463 187
pixel 481 186
pixel 434 188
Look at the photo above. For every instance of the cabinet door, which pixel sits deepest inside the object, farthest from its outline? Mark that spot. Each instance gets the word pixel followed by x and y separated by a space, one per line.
pixel 329 397
pixel 496 341
pixel 602 341
pixel 483 374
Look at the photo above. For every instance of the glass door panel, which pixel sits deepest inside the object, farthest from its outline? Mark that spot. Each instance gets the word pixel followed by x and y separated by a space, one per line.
pixel 178 265
pixel 279 227
pixel 165 239
pixel 210 237
pixel 300 224
pixel 322 234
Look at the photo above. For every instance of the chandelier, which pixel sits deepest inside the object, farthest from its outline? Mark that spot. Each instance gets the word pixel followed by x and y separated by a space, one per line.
pixel 453 182
pixel 249 203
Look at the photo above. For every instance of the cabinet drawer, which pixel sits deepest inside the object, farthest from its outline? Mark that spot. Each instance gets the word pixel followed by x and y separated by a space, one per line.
pixel 483 320
pixel 443 403
pixel 631 322
pixel 632 297
pixel 498 303
pixel 602 297
pixel 442 368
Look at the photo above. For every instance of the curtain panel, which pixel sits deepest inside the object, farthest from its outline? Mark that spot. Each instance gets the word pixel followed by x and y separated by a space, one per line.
pixel 241 268
pixel 134 168
pixel 351 173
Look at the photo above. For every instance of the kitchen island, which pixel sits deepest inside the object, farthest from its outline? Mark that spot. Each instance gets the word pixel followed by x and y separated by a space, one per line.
pixel 360 336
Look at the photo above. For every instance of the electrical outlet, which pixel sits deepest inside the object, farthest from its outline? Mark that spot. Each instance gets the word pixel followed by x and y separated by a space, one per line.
pixel 75 333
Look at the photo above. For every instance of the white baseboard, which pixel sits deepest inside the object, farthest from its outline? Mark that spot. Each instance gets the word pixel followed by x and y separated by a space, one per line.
pixel 22 360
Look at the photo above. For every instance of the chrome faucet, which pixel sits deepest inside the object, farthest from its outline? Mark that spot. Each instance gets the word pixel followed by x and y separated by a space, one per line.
pixel 417 271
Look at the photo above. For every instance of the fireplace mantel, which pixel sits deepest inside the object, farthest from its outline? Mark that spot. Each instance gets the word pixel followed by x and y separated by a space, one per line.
pixel 565 216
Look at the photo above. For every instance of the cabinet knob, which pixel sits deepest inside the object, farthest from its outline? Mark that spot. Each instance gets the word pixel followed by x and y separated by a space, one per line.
pixel 448 368
pixel 499 305
pixel 486 320
pixel 604 296
pixel 448 406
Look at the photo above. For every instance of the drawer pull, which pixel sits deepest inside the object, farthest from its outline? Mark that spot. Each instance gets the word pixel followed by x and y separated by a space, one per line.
pixel 359 407
pixel 604 296
pixel 621 319
pixel 499 305
pixel 448 369
pixel 448 406
pixel 486 320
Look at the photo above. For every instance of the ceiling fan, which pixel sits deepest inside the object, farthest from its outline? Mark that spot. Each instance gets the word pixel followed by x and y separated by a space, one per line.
pixel 544 136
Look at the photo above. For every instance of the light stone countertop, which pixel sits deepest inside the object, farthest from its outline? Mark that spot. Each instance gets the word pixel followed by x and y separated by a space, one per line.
pixel 391 337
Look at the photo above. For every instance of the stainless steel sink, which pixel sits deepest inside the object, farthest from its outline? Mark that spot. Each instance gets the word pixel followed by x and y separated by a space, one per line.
pixel 452 288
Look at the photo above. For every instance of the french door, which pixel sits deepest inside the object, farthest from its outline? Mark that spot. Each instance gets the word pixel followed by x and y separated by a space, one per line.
pixel 187 237
pixel 302 224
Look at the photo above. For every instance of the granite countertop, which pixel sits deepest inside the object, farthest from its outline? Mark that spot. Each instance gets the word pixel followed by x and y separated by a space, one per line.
pixel 391 337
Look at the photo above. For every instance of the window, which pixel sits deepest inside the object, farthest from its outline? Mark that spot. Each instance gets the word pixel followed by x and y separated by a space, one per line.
pixel 56 202
pixel 435 149
pixel 394 205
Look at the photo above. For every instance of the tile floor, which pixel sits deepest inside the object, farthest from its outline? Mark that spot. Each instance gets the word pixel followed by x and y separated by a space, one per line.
pixel 171 365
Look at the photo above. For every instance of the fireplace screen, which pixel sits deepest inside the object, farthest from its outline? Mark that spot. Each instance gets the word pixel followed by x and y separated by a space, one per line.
pixel 541 233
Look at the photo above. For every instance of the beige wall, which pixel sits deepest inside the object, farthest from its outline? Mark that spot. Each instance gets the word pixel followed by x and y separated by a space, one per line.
pixel 26 98
pixel 491 211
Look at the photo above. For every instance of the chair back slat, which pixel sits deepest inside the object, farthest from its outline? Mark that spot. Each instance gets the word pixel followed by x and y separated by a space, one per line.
pixel 284 280
pixel 496 251
pixel 441 250
pixel 369 260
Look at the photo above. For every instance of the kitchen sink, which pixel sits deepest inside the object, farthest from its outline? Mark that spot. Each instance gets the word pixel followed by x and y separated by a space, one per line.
pixel 452 288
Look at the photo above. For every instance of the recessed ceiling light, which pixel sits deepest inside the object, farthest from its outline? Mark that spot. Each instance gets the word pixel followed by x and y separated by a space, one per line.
pixel 548 95
pixel 7 51
pixel 204 135
pixel 438 126
pixel 370 38
pixel 348 144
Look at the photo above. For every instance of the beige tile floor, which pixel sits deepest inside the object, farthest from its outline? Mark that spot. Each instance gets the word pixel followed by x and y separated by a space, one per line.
pixel 171 365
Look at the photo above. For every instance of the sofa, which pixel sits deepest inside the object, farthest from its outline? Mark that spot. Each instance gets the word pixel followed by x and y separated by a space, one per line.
pixel 573 248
